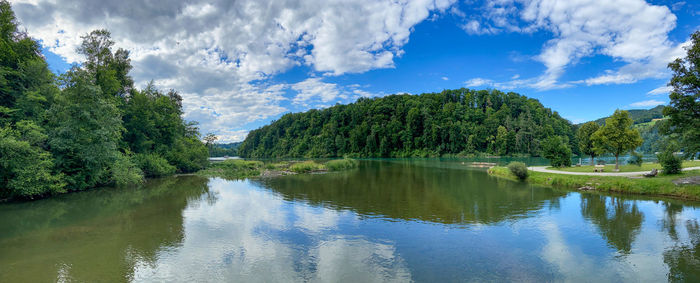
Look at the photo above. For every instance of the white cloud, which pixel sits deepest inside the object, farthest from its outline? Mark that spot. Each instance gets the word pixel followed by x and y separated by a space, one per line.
pixel 633 32
pixel 445 78
pixel 647 103
pixel 315 89
pixel 660 90
pixel 219 55
pixel 477 82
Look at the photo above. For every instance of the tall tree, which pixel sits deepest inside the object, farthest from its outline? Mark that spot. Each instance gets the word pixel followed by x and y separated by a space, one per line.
pixel 84 132
pixel 684 108
pixel 585 143
pixel 617 136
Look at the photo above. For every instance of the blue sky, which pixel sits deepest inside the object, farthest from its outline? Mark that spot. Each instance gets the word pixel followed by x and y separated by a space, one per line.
pixel 240 66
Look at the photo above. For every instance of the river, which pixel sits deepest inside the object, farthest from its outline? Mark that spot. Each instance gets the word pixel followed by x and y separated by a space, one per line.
pixel 388 220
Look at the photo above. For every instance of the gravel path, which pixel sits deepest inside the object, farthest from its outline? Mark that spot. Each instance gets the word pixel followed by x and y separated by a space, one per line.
pixel 627 174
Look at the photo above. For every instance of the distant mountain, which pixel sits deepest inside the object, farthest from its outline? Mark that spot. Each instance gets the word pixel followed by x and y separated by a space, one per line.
pixel 641 115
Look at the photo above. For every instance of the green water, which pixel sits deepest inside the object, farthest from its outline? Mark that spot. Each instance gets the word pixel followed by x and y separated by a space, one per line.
pixel 401 220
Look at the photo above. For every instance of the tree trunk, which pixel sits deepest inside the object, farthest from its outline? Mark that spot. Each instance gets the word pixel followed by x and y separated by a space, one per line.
pixel 592 157
pixel 617 163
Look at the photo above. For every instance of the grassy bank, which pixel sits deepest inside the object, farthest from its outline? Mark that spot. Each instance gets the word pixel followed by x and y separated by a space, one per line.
pixel 625 168
pixel 661 185
pixel 239 168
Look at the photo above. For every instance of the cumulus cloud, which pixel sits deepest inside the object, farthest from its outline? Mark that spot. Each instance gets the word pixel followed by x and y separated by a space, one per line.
pixel 633 32
pixel 220 54
pixel 647 103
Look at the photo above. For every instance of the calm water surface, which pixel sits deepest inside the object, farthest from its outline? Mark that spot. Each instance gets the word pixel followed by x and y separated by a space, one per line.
pixel 408 220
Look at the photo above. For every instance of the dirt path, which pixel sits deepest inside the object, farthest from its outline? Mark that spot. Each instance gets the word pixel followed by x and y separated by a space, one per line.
pixel 624 174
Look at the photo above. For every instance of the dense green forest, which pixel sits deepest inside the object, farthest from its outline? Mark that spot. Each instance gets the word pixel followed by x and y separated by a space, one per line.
pixel 460 122
pixel 87 127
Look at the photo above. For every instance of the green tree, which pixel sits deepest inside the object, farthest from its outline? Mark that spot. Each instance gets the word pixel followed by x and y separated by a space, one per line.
pixel 617 136
pixel 684 108
pixel 585 141
pixel 557 151
pixel 84 132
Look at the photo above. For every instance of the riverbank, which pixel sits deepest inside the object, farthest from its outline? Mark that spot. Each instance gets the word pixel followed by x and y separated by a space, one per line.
pixel 661 185
pixel 238 168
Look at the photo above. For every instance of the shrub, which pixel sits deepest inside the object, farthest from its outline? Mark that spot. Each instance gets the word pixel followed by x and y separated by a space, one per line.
pixel 670 162
pixel 558 153
pixel 25 170
pixel 154 165
pixel 518 169
pixel 635 159
pixel 125 171
pixel 306 166
pixel 188 155
pixel 341 164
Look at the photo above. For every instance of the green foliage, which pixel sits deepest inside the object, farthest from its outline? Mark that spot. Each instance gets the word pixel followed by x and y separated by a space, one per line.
pixel 670 163
pixel 341 164
pixel 640 116
pixel 684 107
pixel 518 169
pixel 305 167
pixel 617 136
pixel 153 165
pixel 233 169
pixel 227 149
pixel 585 141
pixel 635 159
pixel 188 155
pixel 25 170
pixel 84 132
pixel 73 133
pixel 125 171
pixel 558 152
pixel 430 124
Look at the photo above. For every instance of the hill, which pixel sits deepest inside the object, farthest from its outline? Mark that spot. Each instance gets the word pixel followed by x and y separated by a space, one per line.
pixel 461 121
pixel 641 115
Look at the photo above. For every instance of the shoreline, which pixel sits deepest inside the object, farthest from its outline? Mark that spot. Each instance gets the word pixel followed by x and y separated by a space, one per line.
pixel 661 185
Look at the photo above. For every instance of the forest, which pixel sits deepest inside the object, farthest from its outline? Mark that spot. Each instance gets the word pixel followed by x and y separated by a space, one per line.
pixel 87 127
pixel 453 122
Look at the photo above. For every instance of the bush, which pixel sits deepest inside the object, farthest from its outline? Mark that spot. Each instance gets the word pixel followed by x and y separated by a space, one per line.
pixel 188 155
pixel 518 169
pixel 306 166
pixel 341 164
pixel 558 153
pixel 154 165
pixel 25 170
pixel 125 171
pixel 635 159
pixel 670 162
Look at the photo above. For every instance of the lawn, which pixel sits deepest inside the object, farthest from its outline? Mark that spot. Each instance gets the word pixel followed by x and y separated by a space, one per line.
pixel 660 185
pixel 646 167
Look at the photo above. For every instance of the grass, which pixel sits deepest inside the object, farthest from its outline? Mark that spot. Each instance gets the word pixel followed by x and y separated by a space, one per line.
pixel 233 169
pixel 306 167
pixel 647 166
pixel 341 164
pixel 660 185
pixel 238 168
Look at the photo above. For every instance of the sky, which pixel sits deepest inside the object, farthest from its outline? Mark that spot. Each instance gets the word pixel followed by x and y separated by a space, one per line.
pixel 240 65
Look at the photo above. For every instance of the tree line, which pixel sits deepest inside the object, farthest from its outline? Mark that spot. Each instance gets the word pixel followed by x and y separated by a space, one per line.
pixel 87 127
pixel 459 122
